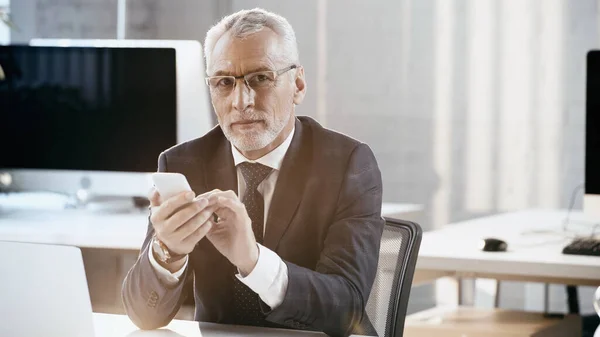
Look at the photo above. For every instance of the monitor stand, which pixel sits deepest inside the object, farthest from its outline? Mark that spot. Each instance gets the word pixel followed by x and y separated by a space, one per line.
pixel 591 205
pixel 83 199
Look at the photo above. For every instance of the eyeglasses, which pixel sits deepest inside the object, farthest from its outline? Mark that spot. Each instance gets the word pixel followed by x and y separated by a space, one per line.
pixel 258 81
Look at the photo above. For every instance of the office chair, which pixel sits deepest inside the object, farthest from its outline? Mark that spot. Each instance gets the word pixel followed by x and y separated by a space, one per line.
pixel 388 301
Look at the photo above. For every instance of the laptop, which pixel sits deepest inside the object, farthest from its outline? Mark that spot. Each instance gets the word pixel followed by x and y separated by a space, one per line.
pixel 43 291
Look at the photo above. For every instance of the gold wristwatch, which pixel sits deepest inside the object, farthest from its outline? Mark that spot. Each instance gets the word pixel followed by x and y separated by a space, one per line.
pixel 163 253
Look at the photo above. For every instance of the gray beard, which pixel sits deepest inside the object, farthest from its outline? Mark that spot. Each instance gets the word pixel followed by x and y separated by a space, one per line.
pixel 257 140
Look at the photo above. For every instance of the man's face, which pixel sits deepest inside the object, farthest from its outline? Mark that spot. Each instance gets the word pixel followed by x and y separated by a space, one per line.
pixel 253 119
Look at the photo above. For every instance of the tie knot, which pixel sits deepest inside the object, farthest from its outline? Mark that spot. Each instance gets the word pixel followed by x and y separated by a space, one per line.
pixel 254 173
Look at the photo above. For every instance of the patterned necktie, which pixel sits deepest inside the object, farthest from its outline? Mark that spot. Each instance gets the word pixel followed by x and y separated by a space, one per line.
pixel 247 308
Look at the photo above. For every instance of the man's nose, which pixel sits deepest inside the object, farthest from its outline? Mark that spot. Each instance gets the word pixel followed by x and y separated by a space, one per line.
pixel 243 96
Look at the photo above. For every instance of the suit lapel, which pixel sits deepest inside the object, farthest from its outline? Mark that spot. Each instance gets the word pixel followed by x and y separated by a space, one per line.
pixel 207 170
pixel 290 186
pixel 220 173
pixel 220 170
pixel 190 167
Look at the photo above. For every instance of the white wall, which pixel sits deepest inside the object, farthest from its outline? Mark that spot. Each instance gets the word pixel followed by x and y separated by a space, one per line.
pixel 183 20
pixel 4 30
pixel 64 19
pixel 471 106
pixel 145 19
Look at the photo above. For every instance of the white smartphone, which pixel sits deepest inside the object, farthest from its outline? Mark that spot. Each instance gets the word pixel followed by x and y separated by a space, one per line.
pixel 169 184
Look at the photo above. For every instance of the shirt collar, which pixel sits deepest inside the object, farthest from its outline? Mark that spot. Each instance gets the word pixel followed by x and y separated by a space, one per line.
pixel 273 159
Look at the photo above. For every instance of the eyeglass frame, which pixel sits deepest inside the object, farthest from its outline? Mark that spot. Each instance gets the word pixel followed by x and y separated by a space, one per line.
pixel 277 73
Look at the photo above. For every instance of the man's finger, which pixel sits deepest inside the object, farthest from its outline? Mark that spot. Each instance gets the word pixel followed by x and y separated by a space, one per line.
pixel 171 205
pixel 154 197
pixel 206 215
pixel 233 204
pixel 206 194
pixel 214 197
pixel 198 218
pixel 199 233
pixel 230 194
pixel 184 214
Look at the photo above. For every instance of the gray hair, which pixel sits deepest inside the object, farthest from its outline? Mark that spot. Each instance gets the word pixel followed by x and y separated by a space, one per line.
pixel 247 22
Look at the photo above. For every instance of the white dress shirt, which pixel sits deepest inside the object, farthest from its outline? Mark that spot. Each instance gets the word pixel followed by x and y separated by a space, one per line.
pixel 269 278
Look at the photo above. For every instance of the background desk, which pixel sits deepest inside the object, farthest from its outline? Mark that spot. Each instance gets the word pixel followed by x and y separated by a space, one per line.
pixel 120 326
pixel 535 242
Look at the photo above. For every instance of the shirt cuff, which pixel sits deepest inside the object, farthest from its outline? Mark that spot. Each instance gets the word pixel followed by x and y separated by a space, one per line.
pixel 163 273
pixel 269 278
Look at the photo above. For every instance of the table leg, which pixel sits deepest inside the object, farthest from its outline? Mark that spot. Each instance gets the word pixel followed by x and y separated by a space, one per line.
pixel 459 291
pixel 546 297
pixel 497 295
pixel 573 299
pixel 467 291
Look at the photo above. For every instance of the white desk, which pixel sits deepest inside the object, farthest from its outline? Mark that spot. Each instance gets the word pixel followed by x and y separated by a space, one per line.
pixel 112 241
pixel 87 229
pixel 534 252
pixel 75 228
pixel 402 211
pixel 120 326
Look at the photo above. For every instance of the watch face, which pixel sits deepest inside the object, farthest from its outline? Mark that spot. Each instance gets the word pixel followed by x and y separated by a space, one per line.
pixel 162 255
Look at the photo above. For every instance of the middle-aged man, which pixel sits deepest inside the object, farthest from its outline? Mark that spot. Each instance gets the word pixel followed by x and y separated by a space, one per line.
pixel 286 228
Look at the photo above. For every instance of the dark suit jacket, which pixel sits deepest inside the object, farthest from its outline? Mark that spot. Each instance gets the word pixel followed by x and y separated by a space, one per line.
pixel 324 222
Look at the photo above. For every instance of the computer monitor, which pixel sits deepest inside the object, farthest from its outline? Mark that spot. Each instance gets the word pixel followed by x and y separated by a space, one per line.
pixel 592 136
pixel 109 107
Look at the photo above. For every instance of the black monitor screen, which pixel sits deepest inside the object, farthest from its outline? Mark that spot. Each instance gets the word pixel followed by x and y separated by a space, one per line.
pixel 85 108
pixel 592 139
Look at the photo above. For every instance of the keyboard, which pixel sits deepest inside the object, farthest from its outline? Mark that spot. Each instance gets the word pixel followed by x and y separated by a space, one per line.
pixel 582 246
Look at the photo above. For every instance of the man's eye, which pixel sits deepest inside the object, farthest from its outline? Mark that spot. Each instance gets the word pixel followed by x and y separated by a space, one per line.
pixel 260 79
pixel 225 82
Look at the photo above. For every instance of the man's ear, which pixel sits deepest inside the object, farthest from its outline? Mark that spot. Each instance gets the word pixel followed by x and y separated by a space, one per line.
pixel 300 86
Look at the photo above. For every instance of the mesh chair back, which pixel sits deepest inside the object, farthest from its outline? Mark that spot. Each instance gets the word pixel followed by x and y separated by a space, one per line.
pixel 388 301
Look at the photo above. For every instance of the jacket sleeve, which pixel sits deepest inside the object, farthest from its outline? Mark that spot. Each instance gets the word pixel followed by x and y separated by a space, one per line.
pixel 149 302
pixel 333 297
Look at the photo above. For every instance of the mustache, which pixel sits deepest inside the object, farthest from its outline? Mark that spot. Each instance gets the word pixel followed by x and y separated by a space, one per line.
pixel 248 117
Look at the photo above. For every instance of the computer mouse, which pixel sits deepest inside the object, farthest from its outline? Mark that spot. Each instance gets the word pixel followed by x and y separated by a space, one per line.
pixel 492 245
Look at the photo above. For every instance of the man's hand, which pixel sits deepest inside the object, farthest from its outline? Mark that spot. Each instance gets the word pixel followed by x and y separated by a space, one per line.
pixel 180 221
pixel 232 235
